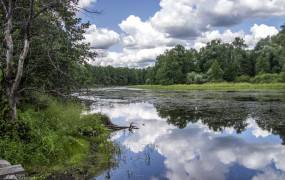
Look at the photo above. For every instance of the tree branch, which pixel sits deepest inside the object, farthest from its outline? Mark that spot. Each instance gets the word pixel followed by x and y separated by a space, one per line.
pixel 9 41
pixel 45 8
pixel 90 11
pixel 59 70
pixel 4 6
pixel 24 52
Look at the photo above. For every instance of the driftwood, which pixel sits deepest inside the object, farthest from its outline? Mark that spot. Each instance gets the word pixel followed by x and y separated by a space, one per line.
pixel 7 171
pixel 118 128
pixel 109 125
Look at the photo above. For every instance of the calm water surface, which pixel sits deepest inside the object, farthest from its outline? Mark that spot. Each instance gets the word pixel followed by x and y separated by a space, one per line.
pixel 197 135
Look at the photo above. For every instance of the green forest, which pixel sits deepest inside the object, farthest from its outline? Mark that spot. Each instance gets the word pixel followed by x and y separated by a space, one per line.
pixel 217 62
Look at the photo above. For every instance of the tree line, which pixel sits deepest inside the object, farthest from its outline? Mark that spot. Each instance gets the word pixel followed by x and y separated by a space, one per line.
pixel 120 76
pixel 222 62
pixel 216 62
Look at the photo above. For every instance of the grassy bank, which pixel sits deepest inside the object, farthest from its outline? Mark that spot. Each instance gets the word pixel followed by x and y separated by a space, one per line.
pixel 215 86
pixel 52 137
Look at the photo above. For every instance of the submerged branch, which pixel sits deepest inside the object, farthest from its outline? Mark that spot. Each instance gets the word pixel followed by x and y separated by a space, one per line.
pixel 114 127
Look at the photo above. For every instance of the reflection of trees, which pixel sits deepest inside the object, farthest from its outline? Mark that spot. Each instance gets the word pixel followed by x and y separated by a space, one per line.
pixel 217 118
pixel 219 115
pixel 271 117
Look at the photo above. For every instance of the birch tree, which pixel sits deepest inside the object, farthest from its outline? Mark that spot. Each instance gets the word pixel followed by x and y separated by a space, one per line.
pixel 20 24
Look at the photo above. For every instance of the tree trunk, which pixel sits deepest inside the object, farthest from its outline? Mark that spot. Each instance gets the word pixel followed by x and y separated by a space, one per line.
pixel 12 81
pixel 9 58
pixel 10 48
pixel 15 85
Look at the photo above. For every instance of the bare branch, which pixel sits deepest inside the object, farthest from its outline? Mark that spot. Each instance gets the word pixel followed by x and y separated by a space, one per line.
pixel 90 11
pixel 4 6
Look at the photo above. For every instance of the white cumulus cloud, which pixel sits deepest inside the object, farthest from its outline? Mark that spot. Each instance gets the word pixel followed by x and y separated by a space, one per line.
pixel 85 3
pixel 129 57
pixel 184 18
pixel 101 38
pixel 257 32
pixel 138 34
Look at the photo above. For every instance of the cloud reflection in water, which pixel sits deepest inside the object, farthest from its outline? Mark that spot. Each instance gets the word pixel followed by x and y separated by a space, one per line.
pixel 198 152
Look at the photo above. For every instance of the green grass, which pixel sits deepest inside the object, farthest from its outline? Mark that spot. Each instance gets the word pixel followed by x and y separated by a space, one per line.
pixel 50 137
pixel 216 86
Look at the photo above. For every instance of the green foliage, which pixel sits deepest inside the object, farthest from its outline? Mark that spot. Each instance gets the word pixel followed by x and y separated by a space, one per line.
pixel 56 53
pixel 51 136
pixel 221 62
pixel 196 78
pixel 215 73
pixel 94 124
pixel 262 65
pixel 47 132
pixel 266 78
pixel 231 72
pixel 172 66
pixel 109 75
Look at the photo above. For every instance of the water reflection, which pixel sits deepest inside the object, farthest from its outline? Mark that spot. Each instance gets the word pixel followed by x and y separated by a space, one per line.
pixel 197 138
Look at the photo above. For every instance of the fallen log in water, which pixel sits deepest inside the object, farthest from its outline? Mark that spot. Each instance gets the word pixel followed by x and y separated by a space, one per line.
pixel 109 125
pixel 118 128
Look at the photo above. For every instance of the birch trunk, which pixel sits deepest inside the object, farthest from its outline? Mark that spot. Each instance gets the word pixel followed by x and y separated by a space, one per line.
pixel 17 81
pixel 12 80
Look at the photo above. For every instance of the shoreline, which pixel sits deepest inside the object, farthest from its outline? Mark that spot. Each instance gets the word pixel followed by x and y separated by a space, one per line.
pixel 215 87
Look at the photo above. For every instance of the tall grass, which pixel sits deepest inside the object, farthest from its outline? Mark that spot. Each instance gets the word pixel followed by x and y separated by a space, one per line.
pixel 50 137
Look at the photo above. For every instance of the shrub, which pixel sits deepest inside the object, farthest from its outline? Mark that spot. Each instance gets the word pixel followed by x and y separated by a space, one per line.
pixel 266 78
pixel 148 81
pixel 196 78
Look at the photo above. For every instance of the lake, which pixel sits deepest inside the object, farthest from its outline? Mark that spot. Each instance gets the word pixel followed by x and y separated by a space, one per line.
pixel 201 135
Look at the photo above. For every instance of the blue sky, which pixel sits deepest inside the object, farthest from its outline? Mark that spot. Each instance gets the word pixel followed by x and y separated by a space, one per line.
pixel 134 32
pixel 115 11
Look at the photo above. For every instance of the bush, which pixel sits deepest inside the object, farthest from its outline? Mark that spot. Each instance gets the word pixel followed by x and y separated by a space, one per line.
pixel 196 78
pixel 242 78
pixel 266 78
